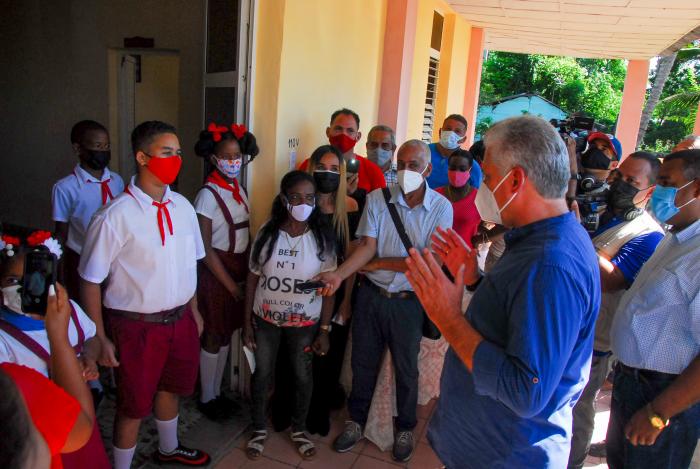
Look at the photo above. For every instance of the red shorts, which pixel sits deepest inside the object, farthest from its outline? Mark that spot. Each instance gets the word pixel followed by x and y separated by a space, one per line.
pixel 153 357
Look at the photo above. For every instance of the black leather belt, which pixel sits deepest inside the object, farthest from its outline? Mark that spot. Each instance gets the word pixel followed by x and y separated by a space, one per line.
pixel 406 294
pixel 649 375
pixel 162 317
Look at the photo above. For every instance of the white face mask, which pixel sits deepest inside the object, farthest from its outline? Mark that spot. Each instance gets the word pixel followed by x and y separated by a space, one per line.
pixel 410 180
pixel 12 298
pixel 486 202
pixel 449 139
pixel 300 212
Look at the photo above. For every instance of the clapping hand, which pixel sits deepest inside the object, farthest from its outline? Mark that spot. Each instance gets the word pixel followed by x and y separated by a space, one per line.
pixel 454 253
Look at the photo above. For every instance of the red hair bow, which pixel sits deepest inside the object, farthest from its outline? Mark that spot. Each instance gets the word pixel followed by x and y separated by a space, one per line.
pixel 11 240
pixel 38 237
pixel 216 131
pixel 238 130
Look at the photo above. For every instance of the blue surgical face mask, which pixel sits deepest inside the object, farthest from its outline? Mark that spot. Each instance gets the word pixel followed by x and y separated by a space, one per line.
pixel 663 202
pixel 449 139
pixel 379 156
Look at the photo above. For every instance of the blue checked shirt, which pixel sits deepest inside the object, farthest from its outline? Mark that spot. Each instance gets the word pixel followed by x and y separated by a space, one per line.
pixel 657 324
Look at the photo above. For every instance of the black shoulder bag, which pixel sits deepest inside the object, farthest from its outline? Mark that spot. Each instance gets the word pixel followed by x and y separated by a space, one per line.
pixel 430 330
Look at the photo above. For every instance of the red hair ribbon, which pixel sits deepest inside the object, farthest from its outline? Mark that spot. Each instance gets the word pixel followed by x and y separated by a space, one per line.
pixel 238 130
pixel 38 237
pixel 13 240
pixel 216 131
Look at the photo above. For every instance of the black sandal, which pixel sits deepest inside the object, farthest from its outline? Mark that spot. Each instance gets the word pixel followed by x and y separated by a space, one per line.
pixel 306 447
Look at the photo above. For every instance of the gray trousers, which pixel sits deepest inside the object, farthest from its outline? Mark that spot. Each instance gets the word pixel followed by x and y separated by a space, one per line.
pixel 584 411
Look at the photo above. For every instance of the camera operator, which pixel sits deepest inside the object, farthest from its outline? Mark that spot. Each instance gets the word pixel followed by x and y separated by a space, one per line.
pixel 626 238
pixel 596 163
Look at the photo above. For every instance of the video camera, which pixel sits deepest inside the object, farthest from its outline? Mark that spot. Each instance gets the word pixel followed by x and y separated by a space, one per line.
pixel 573 125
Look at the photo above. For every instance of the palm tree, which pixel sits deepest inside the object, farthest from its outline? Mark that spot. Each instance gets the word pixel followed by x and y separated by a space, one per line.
pixel 677 101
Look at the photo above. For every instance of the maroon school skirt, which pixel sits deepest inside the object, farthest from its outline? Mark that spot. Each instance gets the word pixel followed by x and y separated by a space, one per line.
pixel 221 313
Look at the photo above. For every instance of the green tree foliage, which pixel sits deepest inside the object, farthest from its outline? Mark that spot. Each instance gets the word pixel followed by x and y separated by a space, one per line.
pixel 592 87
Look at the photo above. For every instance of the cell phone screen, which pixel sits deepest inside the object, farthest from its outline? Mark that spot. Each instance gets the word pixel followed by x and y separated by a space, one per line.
pixel 352 166
pixel 39 274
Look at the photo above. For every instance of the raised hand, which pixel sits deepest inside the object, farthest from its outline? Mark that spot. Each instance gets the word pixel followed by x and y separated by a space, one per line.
pixel 454 253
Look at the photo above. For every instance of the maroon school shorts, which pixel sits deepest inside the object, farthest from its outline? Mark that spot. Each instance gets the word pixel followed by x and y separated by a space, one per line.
pixel 153 357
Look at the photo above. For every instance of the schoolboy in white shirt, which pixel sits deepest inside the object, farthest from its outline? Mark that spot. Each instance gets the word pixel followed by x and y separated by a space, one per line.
pixel 146 244
pixel 76 197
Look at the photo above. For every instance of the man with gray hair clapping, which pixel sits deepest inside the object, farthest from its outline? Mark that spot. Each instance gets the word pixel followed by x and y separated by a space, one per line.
pixel 387 312
pixel 521 354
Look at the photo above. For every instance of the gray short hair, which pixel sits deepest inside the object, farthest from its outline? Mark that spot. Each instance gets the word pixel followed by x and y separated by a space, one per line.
pixel 383 128
pixel 695 139
pixel 534 145
pixel 421 145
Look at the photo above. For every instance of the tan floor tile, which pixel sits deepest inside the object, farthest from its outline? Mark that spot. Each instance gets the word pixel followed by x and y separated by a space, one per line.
pixel 424 458
pixel 366 462
pixel 373 451
pixel 326 457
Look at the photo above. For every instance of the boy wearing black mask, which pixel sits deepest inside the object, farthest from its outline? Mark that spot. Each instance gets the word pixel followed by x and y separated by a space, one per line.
pixel 625 240
pixel 76 197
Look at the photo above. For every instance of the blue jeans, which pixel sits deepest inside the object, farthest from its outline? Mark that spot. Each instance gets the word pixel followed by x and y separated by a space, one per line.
pixel 377 322
pixel 298 341
pixel 675 444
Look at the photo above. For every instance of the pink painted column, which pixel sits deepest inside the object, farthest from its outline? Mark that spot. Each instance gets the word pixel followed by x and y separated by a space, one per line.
pixel 696 128
pixel 397 65
pixel 632 105
pixel 471 93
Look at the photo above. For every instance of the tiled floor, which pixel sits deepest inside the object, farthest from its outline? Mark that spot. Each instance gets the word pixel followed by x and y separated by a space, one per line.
pixel 280 453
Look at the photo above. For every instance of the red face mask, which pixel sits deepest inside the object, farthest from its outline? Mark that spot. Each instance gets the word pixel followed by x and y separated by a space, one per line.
pixel 458 178
pixel 166 169
pixel 342 142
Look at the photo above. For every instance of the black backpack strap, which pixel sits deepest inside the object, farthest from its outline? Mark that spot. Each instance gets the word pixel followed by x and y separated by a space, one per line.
pixel 398 224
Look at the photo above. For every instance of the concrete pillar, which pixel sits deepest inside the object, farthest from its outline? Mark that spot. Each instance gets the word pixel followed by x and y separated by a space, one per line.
pixel 397 65
pixel 632 105
pixel 471 92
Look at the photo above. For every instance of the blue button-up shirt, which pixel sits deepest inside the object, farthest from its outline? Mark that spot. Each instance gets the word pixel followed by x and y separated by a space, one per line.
pixel 420 222
pixel 438 177
pixel 536 310
pixel 657 324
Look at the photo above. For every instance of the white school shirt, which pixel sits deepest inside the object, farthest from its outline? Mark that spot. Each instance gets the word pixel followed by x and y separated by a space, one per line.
pixel 14 352
pixel 294 260
pixel 76 197
pixel 205 204
pixel 123 245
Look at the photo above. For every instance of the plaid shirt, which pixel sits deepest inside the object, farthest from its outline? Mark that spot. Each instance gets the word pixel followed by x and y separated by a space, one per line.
pixel 390 176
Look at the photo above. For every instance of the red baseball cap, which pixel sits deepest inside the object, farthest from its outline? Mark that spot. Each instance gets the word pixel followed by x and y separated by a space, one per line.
pixel 612 141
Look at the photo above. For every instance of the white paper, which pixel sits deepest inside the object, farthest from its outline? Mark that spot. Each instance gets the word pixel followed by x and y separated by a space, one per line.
pixel 250 356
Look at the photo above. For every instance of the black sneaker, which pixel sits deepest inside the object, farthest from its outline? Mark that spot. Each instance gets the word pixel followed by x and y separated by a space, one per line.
pixel 349 438
pixel 597 450
pixel 403 446
pixel 227 406
pixel 184 456
pixel 212 410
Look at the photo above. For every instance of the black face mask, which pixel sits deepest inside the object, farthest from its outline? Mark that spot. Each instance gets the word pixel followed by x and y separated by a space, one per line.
pixel 593 158
pixel 97 159
pixel 326 181
pixel 621 196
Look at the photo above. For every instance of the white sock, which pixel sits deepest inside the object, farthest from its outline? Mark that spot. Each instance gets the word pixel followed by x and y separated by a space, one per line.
pixel 207 374
pixel 220 368
pixel 167 435
pixel 123 457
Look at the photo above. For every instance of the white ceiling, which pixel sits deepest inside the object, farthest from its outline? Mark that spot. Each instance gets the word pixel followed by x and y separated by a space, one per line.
pixel 630 29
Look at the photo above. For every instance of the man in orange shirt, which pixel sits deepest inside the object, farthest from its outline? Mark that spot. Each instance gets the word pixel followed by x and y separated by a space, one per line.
pixel 343 133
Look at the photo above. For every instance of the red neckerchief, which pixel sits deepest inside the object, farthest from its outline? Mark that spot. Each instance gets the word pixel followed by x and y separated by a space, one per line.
pixel 106 191
pixel 218 180
pixel 162 209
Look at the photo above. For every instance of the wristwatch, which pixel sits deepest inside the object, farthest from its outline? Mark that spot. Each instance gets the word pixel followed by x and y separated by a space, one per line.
pixel 655 419
pixel 325 328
